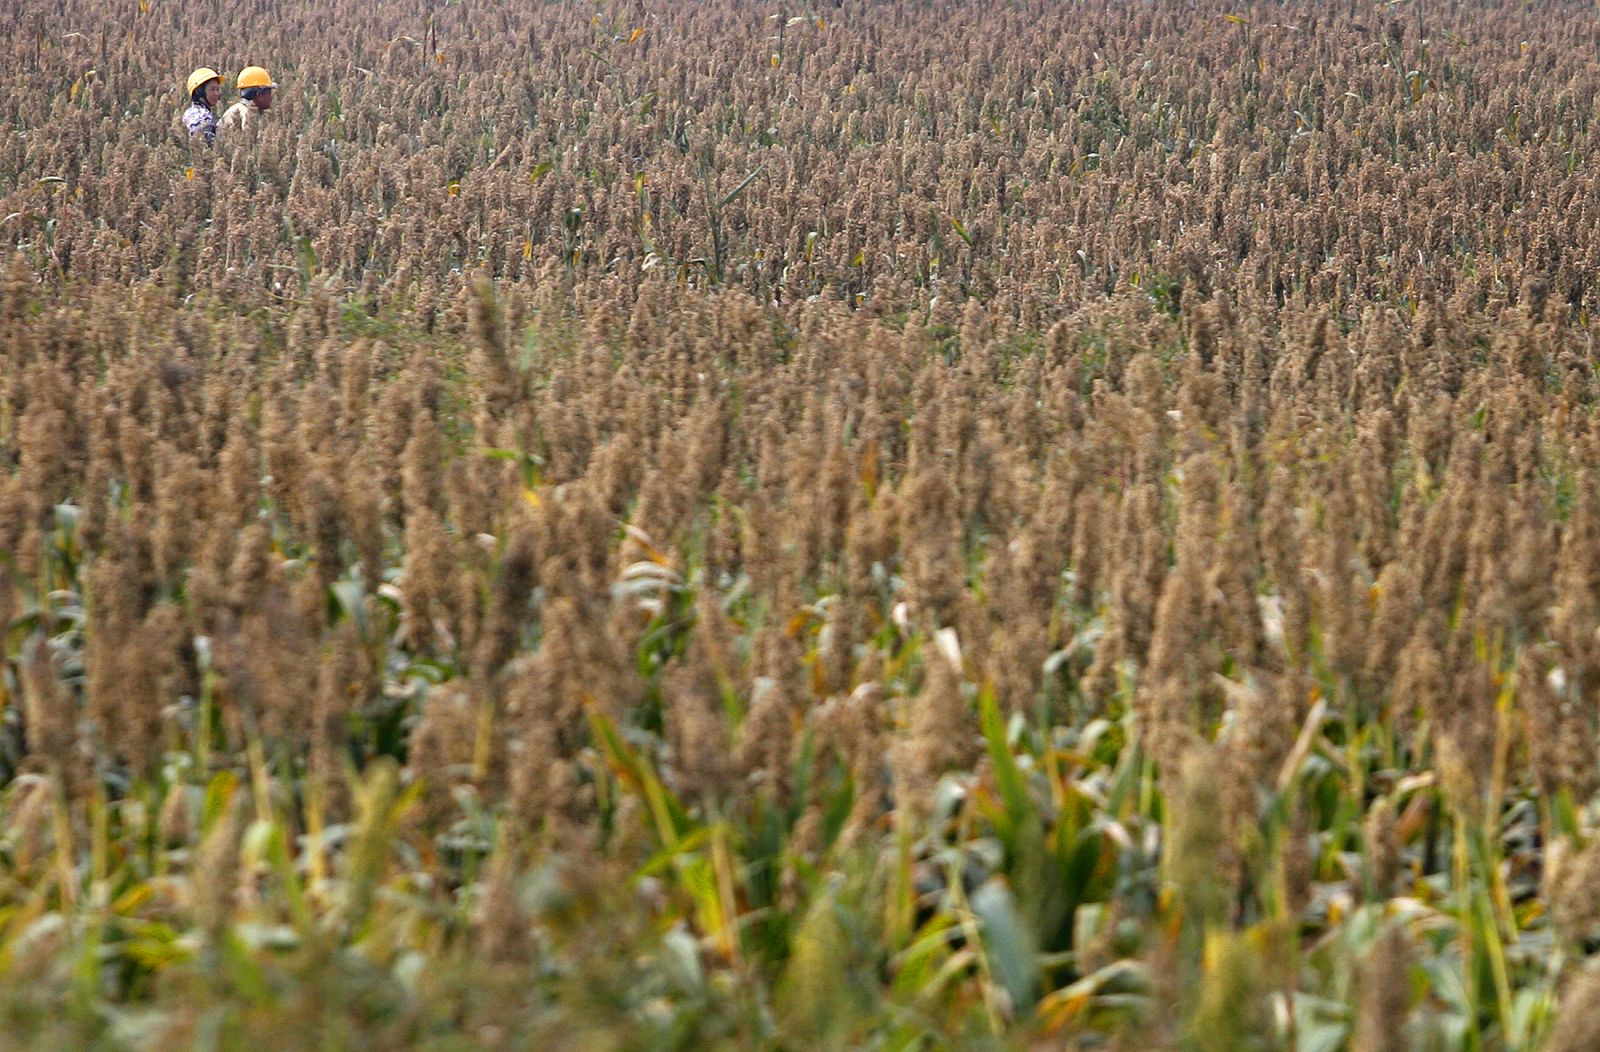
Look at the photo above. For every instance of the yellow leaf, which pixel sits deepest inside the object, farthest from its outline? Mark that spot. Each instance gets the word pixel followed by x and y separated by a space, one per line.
pixel 822 23
pixel 636 34
pixel 1060 1008
pixel 133 898
pixel 868 475
pixel 527 249
pixel 819 680
pixel 531 497
pixel 144 6
pixel 643 540
pixel 454 188
pixel 775 60
pixel 188 173
pixel 1240 19
pixel 439 58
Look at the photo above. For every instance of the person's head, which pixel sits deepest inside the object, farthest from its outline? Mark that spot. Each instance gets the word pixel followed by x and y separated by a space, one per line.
pixel 256 85
pixel 205 87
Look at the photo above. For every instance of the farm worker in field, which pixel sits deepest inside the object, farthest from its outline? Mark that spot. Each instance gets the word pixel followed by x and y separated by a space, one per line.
pixel 205 91
pixel 255 85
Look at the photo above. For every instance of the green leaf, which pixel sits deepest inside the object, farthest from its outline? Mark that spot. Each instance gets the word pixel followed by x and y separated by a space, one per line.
pixel 671 821
pixel 244 974
pixel 1320 1024
pixel 728 197
pixel 218 792
pixel 349 599
pixel 1007 775
pixel 917 965
pixel 1006 944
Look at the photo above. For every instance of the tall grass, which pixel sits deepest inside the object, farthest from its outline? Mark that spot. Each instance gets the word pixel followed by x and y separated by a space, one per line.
pixel 653 526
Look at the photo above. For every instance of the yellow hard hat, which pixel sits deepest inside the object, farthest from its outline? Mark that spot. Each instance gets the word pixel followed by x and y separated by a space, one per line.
pixel 201 76
pixel 255 77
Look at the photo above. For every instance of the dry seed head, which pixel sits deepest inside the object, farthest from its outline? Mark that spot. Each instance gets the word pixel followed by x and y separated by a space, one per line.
pixel 47 709
pixel 504 932
pixel 31 811
pixel 427 593
pixel 509 601
pixel 934 568
pixel 766 739
pixel 10 604
pixel 1385 994
pixel 1572 889
pixel 697 727
pixel 1381 842
pixel 441 747
pixel 1194 833
pixel 214 876
pixel 1233 1013
pixel 1458 777
pixel 254 568
pixel 176 819
pixel 941 734
pixel 1577 1016
pixel 422 471
pixel 1562 751
pixel 17 288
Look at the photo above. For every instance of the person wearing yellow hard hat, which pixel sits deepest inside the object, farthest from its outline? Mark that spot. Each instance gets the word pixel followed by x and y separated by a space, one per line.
pixel 205 91
pixel 255 85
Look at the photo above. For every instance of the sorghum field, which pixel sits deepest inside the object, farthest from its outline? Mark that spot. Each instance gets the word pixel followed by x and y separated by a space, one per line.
pixel 650 525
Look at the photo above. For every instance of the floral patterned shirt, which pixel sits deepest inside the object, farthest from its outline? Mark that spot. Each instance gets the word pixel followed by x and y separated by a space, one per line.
pixel 200 120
